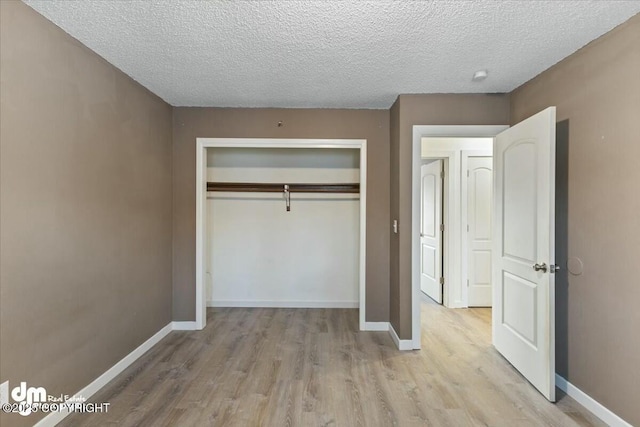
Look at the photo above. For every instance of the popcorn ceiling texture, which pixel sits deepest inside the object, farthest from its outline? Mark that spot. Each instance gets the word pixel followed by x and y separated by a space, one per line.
pixel 332 54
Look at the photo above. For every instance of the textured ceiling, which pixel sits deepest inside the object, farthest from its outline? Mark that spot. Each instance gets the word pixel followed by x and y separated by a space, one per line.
pixel 334 54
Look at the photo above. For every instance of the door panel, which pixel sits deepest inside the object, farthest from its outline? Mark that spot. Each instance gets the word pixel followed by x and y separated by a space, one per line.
pixel 519 189
pixel 430 235
pixel 482 269
pixel 519 307
pixel 524 236
pixel 479 234
pixel 429 214
pixel 429 262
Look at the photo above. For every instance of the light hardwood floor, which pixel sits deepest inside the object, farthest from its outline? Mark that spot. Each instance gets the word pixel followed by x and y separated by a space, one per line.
pixel 311 367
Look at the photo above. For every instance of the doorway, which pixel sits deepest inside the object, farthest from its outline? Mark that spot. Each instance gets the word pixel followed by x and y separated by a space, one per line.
pixel 455 192
pixel 475 216
pixel 451 241
pixel 254 143
pixel 523 264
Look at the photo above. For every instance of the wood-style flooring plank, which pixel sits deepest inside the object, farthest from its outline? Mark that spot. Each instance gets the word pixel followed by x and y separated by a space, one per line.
pixel 312 367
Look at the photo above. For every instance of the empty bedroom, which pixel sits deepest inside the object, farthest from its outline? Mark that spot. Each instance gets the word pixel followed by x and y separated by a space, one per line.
pixel 319 213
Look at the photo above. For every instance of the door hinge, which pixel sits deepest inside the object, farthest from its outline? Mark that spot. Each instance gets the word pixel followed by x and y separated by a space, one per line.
pixel 467 173
pixel 442 174
pixel 467 228
pixel 442 280
pixel 467 283
pixel 441 227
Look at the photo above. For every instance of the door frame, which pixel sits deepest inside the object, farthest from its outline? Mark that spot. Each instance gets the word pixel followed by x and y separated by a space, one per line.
pixel 201 196
pixel 453 237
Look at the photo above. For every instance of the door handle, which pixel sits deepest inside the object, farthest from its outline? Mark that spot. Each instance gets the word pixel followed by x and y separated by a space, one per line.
pixel 540 267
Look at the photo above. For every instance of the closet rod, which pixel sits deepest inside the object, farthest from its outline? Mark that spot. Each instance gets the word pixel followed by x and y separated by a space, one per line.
pixel 255 187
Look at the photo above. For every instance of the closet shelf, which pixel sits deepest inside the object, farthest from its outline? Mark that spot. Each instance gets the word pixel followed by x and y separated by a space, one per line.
pixel 255 187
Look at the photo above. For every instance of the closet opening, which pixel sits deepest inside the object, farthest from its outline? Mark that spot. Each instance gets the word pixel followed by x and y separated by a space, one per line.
pixel 280 223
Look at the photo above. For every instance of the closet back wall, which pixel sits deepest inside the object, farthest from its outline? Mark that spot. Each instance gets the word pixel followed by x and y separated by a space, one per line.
pixel 191 123
pixel 260 255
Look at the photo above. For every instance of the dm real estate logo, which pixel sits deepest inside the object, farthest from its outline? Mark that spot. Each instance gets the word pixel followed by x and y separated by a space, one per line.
pixel 25 398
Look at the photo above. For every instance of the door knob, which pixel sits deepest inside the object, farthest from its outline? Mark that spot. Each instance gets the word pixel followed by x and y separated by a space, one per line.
pixel 540 267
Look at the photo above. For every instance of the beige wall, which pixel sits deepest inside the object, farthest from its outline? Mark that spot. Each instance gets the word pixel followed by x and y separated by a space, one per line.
pixel 597 90
pixel 85 209
pixel 190 123
pixel 410 110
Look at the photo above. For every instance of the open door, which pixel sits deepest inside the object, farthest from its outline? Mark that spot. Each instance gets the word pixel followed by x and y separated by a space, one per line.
pixel 524 255
pixel 430 230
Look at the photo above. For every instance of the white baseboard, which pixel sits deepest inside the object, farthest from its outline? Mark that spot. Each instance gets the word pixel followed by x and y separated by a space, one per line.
pixel 183 326
pixel 55 417
pixel 401 344
pixel 376 326
pixel 595 407
pixel 283 304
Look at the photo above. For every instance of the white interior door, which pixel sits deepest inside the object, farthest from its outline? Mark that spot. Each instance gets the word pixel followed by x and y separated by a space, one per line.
pixel 524 255
pixel 479 234
pixel 430 234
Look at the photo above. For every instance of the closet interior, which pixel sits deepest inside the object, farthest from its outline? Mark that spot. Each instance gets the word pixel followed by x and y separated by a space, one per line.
pixel 283 227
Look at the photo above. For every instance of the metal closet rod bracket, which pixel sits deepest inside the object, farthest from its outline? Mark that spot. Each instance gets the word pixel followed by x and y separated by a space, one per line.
pixel 287 197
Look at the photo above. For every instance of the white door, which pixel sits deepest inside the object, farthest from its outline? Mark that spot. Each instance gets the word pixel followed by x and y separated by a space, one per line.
pixel 524 255
pixel 479 234
pixel 430 234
